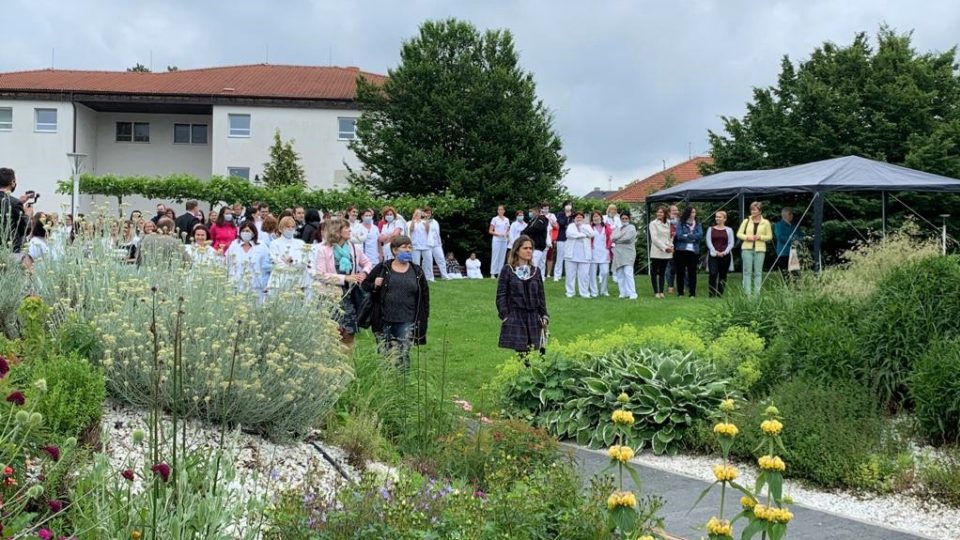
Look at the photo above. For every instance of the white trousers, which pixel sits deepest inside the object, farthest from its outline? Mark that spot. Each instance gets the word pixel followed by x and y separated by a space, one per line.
pixel 604 269
pixel 441 260
pixel 424 259
pixel 578 276
pixel 561 259
pixel 498 257
pixel 540 261
pixel 626 281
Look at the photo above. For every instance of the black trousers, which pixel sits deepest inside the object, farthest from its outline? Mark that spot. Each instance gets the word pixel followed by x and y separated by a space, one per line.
pixel 718 267
pixel 685 265
pixel 658 268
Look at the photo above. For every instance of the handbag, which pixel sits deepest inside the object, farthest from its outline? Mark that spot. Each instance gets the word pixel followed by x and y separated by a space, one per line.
pixel 793 263
pixel 365 309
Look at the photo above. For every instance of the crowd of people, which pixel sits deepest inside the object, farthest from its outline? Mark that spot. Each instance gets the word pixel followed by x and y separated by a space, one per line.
pixel 381 263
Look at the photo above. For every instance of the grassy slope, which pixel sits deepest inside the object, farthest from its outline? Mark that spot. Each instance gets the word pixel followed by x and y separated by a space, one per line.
pixel 463 318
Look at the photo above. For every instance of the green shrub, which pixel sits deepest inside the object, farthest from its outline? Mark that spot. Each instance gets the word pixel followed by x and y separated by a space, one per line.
pixel 831 428
pixel 679 335
pixel 359 435
pixel 75 392
pixel 275 367
pixel 935 389
pixel 819 338
pixel 573 399
pixel 941 479
pixel 737 353
pixel 914 305
pixel 759 314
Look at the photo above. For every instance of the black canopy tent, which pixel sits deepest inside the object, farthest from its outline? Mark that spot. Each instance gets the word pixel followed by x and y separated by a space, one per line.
pixel 848 174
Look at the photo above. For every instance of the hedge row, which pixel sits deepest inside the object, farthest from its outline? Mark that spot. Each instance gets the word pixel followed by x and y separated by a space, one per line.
pixel 219 189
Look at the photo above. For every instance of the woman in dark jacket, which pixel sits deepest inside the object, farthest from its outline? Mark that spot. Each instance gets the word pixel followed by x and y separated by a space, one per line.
pixel 310 227
pixel 521 303
pixel 401 302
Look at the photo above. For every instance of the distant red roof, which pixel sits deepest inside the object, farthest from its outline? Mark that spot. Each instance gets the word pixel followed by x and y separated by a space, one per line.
pixel 638 190
pixel 250 81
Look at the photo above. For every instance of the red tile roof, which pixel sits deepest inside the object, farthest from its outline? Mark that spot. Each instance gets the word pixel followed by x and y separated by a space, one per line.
pixel 250 81
pixel 638 190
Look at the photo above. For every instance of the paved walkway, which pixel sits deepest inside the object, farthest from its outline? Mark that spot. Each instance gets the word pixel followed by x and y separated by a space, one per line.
pixel 681 492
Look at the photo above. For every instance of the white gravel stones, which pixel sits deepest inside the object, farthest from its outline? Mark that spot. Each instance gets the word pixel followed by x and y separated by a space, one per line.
pixel 907 513
pixel 274 467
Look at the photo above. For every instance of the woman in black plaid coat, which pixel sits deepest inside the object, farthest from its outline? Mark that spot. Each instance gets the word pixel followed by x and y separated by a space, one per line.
pixel 521 304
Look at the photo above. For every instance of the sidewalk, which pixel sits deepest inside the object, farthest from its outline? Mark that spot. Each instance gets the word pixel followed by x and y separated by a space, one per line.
pixel 680 493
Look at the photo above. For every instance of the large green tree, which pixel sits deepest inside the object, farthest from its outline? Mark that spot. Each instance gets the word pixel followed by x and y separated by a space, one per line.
pixel 887 102
pixel 284 167
pixel 459 115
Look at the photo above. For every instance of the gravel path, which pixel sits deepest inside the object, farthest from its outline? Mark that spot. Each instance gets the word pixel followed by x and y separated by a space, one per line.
pixel 904 512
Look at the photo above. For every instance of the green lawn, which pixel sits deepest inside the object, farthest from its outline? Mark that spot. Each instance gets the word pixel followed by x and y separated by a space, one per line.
pixel 463 319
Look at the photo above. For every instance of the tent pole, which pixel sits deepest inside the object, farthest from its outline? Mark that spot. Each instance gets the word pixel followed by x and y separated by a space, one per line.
pixel 817 230
pixel 742 203
pixel 646 220
pixel 883 212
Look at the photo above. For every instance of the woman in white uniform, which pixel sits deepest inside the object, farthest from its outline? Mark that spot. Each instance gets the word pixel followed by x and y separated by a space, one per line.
pixel 577 256
pixel 625 256
pixel 435 243
pixel 371 241
pixel 200 251
pixel 392 227
pixel 358 233
pixel 500 231
pixel 290 257
pixel 37 249
pixel 473 267
pixel 419 232
pixel 246 259
pixel 516 229
pixel 600 256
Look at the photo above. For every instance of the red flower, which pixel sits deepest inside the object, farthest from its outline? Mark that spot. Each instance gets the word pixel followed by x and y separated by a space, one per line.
pixel 44 534
pixel 16 397
pixel 54 452
pixel 55 505
pixel 8 470
pixel 4 367
pixel 128 474
pixel 163 470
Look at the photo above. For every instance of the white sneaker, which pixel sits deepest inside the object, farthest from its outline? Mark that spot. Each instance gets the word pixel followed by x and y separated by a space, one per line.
pixel 634 297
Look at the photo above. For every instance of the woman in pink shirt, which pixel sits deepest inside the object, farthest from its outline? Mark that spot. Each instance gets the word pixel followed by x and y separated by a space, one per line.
pixel 223 231
pixel 342 264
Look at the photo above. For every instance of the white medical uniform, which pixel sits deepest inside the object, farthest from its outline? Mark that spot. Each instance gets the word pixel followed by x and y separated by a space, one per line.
pixel 578 254
pixel 499 243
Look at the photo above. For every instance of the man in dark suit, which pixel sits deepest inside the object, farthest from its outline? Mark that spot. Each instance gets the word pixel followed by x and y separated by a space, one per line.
pixel 14 218
pixel 187 220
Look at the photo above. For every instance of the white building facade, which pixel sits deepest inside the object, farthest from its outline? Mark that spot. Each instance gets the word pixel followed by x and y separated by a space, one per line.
pixel 175 129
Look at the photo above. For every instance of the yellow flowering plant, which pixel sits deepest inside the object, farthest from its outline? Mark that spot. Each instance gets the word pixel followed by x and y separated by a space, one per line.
pixel 769 518
pixel 625 512
pixel 725 430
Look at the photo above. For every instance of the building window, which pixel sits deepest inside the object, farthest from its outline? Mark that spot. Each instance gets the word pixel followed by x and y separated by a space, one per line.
pixel 189 134
pixel 45 120
pixel 239 125
pixel 133 132
pixel 6 119
pixel 239 172
pixel 347 129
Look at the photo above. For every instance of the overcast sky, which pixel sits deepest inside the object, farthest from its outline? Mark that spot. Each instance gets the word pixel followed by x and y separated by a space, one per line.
pixel 632 84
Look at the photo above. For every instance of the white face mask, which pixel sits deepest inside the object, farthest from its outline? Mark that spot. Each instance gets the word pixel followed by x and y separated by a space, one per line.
pixel 568 208
pixel 246 236
pixel 288 233
pixel 389 219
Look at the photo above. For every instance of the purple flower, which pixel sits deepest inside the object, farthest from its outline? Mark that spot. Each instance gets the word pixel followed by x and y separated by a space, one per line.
pixel 45 534
pixel 480 494
pixel 54 452
pixel 163 470
pixel 17 398
pixel 55 505
pixel 4 367
pixel 128 474
pixel 384 493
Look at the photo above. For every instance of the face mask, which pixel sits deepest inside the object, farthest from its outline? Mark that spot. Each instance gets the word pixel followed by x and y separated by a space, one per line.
pixel 531 215
pixel 519 219
pixel 405 256
pixel 568 208
pixel 389 219
pixel 368 219
pixel 596 222
pixel 246 236
pixel 288 233
pixel 544 211
pixel 228 217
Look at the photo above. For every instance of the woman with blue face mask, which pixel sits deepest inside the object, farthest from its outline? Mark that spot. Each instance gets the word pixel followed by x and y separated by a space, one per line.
pixel 371 241
pixel 392 227
pixel 401 305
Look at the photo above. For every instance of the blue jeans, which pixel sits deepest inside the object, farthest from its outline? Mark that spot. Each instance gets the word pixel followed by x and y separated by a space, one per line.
pixel 752 271
pixel 397 336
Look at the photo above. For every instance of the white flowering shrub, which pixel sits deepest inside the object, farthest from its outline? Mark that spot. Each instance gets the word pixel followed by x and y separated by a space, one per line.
pixel 274 368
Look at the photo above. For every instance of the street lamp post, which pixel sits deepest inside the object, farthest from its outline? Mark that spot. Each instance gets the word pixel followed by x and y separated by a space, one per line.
pixel 76 163
pixel 943 234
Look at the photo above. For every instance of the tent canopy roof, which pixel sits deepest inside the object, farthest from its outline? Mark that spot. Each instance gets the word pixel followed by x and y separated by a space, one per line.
pixel 850 173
